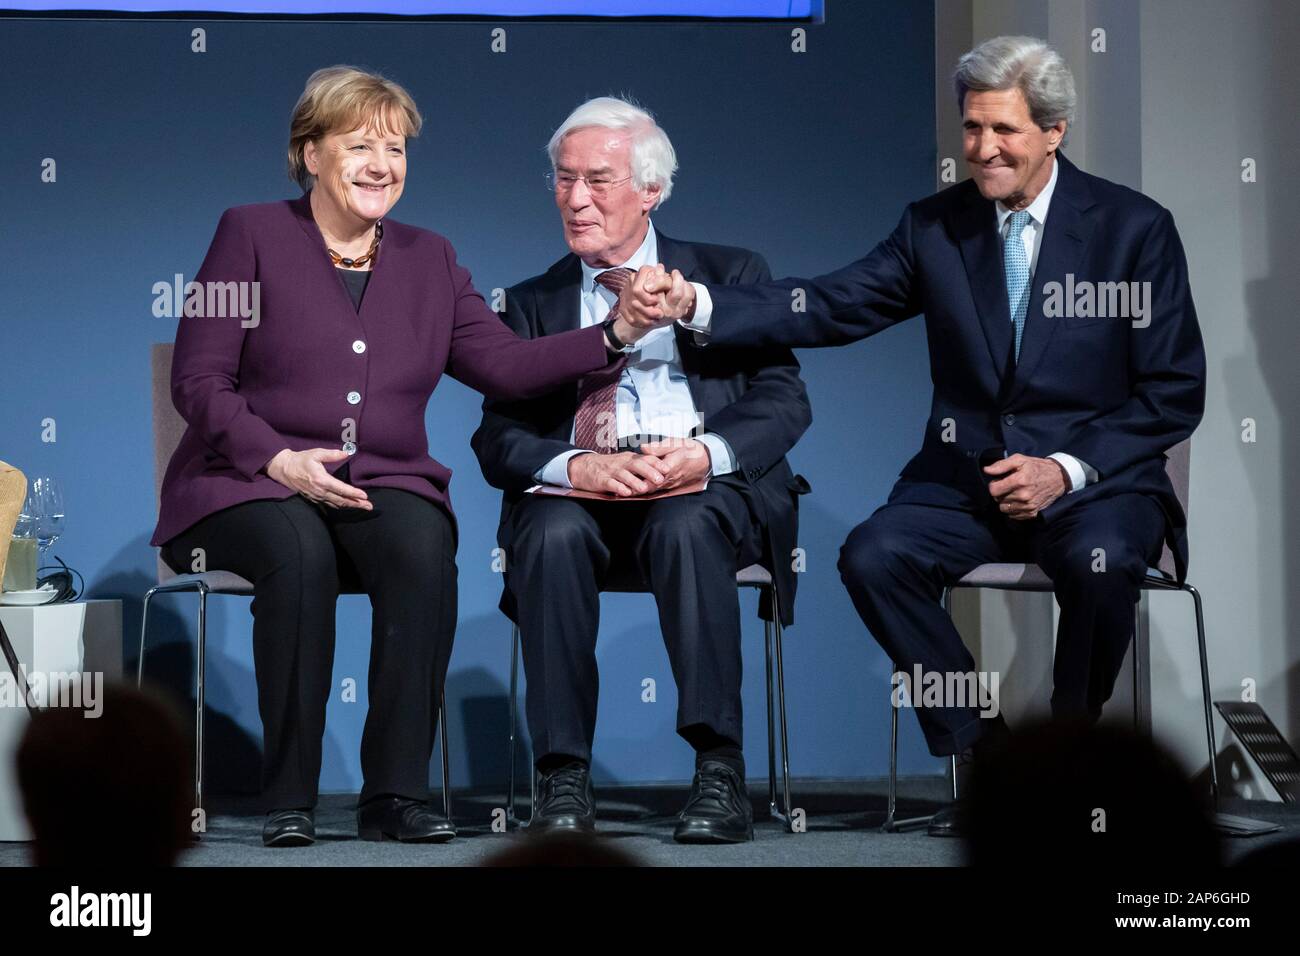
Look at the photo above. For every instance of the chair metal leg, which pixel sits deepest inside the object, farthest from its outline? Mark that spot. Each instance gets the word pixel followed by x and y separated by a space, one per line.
pixel 198 697
pixel 446 762
pixel 891 823
pixel 1205 694
pixel 144 625
pixel 144 616
pixel 1138 723
pixel 892 794
pixel 512 820
pixel 200 658
pixel 1137 636
pixel 952 761
pixel 1207 706
pixel 771 727
pixel 783 812
pixel 16 668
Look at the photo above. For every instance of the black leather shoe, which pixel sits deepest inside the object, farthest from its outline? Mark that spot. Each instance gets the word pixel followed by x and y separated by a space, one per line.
pixel 402 819
pixel 718 809
pixel 289 828
pixel 565 802
pixel 952 821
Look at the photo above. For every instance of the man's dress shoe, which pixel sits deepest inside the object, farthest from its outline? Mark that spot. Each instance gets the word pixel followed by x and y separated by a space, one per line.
pixel 718 809
pixel 954 819
pixel 566 803
pixel 289 828
pixel 402 819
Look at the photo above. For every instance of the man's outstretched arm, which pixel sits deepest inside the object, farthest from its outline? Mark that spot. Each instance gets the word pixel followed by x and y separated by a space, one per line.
pixel 851 303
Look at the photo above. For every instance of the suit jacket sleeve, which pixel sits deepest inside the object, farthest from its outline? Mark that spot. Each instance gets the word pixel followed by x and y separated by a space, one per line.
pixel 1166 366
pixel 844 306
pixel 773 413
pixel 205 362
pixel 509 442
pixel 488 357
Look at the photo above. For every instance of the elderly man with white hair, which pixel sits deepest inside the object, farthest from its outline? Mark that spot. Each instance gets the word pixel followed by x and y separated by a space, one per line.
pixel 671 418
pixel 1066 360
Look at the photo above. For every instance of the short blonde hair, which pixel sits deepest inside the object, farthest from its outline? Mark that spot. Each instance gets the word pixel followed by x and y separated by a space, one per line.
pixel 339 98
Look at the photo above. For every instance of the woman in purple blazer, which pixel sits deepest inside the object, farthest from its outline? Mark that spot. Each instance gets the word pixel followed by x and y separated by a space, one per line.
pixel 303 370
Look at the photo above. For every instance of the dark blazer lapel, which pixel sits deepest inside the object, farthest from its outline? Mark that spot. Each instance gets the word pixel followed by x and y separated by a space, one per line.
pixel 559 307
pixel 1065 238
pixel 680 256
pixel 677 255
pixel 975 228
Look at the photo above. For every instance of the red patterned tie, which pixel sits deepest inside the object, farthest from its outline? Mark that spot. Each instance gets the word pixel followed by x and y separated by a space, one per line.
pixel 595 426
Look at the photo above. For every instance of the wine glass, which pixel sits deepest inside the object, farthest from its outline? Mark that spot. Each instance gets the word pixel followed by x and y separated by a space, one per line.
pixel 46 510
pixel 25 526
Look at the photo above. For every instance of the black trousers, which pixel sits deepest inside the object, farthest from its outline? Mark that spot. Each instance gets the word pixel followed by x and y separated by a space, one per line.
pixel 687 549
pixel 897 563
pixel 299 556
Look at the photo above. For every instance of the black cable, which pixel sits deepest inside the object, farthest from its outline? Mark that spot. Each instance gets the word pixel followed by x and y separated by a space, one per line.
pixel 62 581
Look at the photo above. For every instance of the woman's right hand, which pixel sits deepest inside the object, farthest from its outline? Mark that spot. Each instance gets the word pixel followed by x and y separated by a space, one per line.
pixel 305 473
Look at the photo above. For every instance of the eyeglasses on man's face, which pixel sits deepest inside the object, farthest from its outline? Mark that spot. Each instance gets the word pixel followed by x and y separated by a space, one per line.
pixel 601 185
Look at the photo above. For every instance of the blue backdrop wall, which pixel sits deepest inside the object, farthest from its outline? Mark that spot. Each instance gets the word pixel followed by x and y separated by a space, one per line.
pixel 808 157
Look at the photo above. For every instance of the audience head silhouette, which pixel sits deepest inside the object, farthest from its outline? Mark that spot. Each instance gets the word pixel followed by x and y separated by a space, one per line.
pixel 107 790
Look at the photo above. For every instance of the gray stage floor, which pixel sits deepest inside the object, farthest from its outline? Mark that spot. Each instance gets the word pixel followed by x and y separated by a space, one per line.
pixel 843 822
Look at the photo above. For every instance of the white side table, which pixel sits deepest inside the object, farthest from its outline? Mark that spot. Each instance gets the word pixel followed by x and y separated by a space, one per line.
pixel 80 638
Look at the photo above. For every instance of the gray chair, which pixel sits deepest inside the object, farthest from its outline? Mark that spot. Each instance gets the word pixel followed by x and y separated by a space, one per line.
pixel 755 576
pixel 1030 577
pixel 168 427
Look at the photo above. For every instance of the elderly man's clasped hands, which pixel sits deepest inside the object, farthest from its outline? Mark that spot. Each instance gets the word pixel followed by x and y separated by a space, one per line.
pixel 661 466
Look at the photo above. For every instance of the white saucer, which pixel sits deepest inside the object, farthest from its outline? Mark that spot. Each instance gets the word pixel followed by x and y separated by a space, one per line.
pixel 30 598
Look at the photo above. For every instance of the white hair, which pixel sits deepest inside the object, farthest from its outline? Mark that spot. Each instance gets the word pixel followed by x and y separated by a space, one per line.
pixel 1024 63
pixel 653 158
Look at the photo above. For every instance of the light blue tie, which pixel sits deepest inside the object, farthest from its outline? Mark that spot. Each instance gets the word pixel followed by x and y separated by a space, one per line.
pixel 1016 264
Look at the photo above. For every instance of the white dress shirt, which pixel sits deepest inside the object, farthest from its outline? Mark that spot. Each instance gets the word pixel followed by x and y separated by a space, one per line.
pixel 1080 473
pixel 654 396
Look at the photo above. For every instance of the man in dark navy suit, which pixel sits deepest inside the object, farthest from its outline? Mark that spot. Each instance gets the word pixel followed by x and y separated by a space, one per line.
pixel 1066 360
pixel 672 416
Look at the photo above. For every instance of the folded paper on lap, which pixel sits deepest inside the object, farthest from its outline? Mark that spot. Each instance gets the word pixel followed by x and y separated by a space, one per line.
pixel 695 487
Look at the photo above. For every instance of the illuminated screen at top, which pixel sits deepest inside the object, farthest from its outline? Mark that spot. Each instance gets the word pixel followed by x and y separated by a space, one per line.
pixel 762 9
